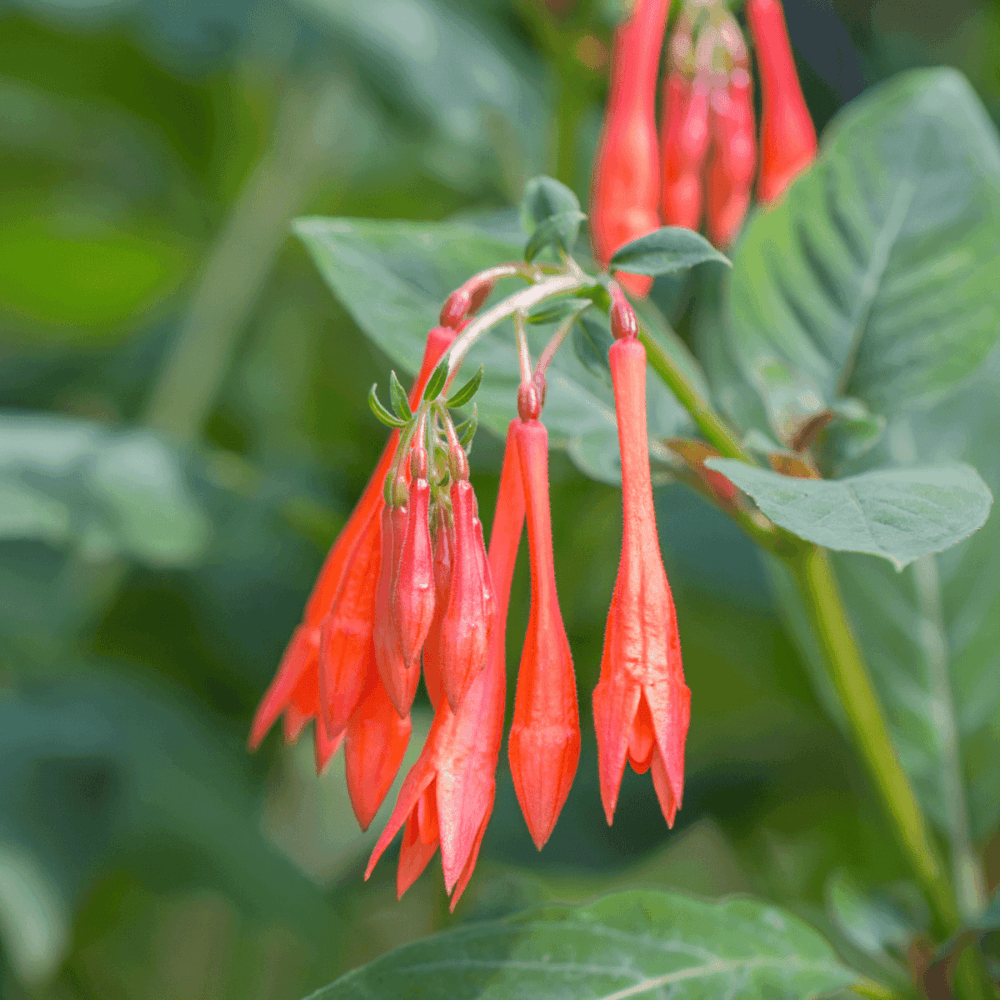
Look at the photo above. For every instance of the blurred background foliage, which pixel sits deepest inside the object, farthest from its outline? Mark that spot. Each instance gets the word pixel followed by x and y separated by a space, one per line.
pixel 184 430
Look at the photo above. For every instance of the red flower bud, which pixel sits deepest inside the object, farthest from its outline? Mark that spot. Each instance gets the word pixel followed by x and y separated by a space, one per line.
pixel 443 545
pixel 626 189
pixel 622 316
pixel 448 795
pixel 730 175
pixel 398 677
pixel 413 594
pixel 377 737
pixel 684 144
pixel 470 611
pixel 544 742
pixel 641 703
pixel 787 133
pixel 455 309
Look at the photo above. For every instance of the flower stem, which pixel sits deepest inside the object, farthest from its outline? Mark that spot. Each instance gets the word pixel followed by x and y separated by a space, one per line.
pixel 828 617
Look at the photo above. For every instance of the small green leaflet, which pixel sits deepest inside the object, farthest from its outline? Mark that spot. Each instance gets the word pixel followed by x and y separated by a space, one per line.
pixel 466 430
pixel 643 945
pixel 666 251
pixel 437 381
pixel 381 412
pixel 592 339
pixel 543 198
pixel 468 390
pixel 398 395
pixel 559 231
pixel 556 310
pixel 899 514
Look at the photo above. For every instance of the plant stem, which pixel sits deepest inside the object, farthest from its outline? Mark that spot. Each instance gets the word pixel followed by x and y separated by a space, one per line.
pixel 709 422
pixel 828 617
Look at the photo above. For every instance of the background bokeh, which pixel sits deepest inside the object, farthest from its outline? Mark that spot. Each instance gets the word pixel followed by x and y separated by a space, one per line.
pixel 184 430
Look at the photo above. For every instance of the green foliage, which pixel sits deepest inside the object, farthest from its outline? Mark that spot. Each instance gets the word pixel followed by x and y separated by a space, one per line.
pixel 631 944
pixel 876 278
pixel 666 251
pixel 102 493
pixel 899 514
pixel 465 394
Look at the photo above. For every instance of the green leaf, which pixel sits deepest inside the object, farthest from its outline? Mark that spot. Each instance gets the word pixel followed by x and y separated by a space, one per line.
pixel 559 231
pixel 899 514
pixel 466 430
pixel 393 276
pixel 666 251
pixel 556 310
pixel 876 277
pixel 107 492
pixel 375 405
pixel 543 198
pixel 399 401
pixel 592 339
pixel 633 944
pixel 437 381
pixel 465 394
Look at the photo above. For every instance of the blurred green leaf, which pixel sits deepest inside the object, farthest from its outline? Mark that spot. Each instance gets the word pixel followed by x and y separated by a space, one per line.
pixel 876 277
pixel 104 491
pixel 630 944
pixel 898 514
pixel 665 251
pixel 558 231
pixel 545 198
pixel 393 277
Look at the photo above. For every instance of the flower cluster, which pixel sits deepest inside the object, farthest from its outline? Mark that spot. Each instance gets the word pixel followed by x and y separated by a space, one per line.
pixel 409 589
pixel 704 158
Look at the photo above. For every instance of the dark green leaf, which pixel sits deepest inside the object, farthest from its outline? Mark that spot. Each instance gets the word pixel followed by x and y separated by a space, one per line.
pixel 592 339
pixel 543 198
pixel 466 430
pixel 559 231
pixel 465 394
pixel 107 492
pixel 876 277
pixel 437 381
pixel 556 310
pixel 399 401
pixel 665 251
pixel 393 277
pixel 381 412
pixel 899 514
pixel 633 944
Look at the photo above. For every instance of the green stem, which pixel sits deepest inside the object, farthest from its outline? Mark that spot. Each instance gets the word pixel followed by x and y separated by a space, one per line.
pixel 828 617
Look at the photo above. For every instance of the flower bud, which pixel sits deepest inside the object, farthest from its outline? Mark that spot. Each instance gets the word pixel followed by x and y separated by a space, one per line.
pixel 467 622
pixel 622 315
pixel 400 680
pixel 413 592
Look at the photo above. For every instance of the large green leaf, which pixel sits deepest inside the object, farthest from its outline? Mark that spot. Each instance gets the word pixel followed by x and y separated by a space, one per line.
pixel 107 492
pixel 393 278
pixel 633 944
pixel 876 278
pixel 899 514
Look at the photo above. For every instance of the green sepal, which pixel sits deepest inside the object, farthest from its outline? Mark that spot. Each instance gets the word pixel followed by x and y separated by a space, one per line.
pixel 437 381
pixel 467 429
pixel 381 412
pixel 467 391
pixel 399 401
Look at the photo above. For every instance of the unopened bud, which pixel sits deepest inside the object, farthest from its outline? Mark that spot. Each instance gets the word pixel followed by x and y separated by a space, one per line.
pixel 455 309
pixel 458 461
pixel 529 401
pixel 418 463
pixel 479 291
pixel 398 492
pixel 623 321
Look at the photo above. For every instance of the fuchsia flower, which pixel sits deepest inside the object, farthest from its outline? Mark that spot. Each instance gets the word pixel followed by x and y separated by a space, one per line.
pixel 409 580
pixel 641 703
pixel 544 743
pixel 447 797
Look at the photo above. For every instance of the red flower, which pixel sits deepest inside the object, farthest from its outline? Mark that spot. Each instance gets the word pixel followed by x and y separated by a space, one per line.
pixel 544 744
pixel 787 133
pixel 325 669
pixel 734 159
pixel 448 795
pixel 684 145
pixel 470 611
pixel 626 189
pixel 641 703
